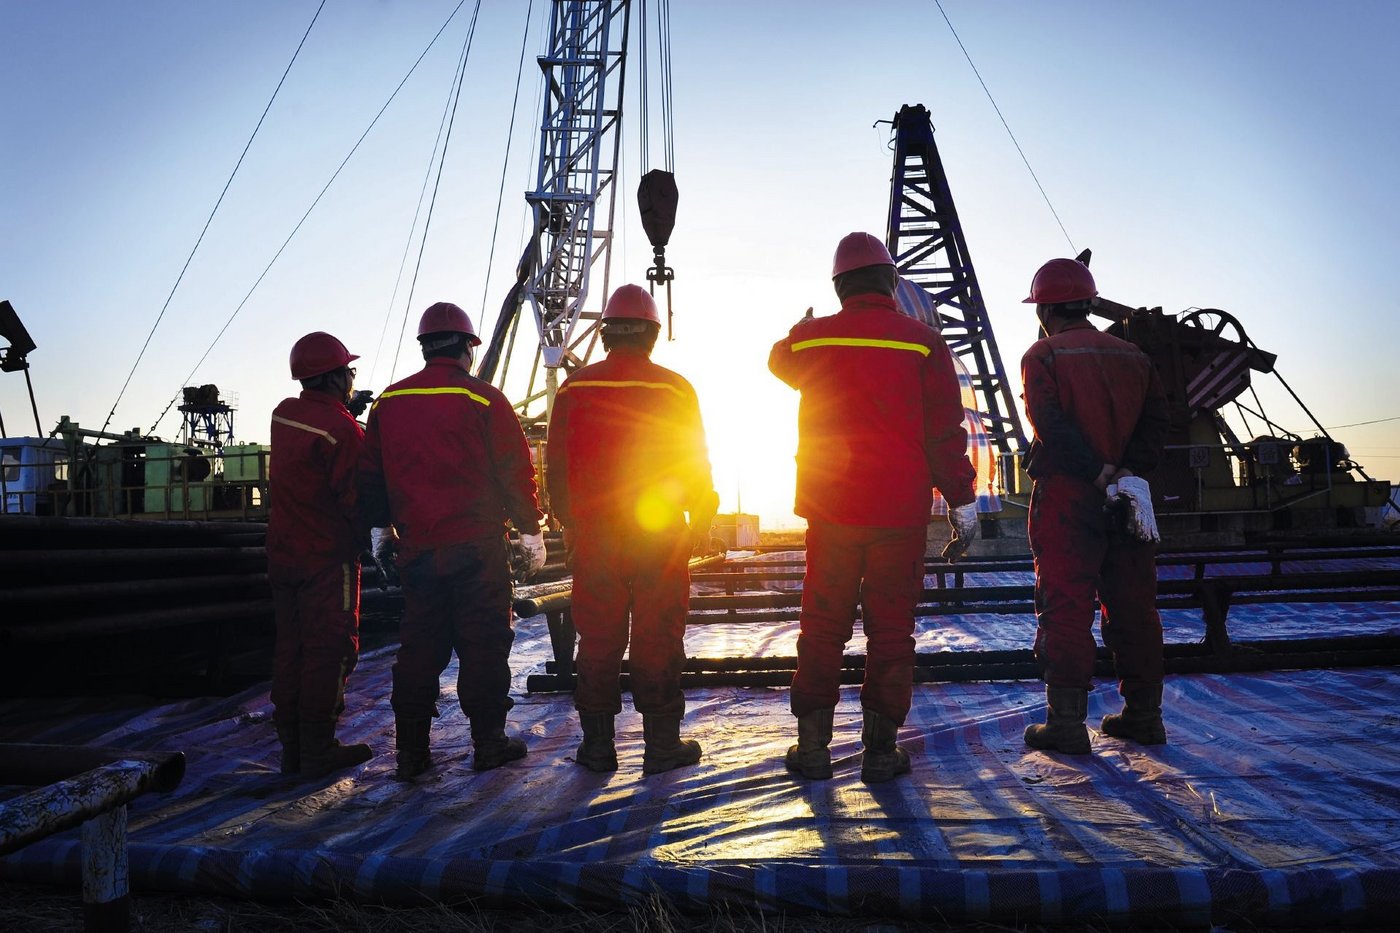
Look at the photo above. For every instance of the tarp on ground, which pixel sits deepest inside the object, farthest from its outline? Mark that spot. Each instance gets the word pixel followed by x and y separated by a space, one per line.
pixel 1278 799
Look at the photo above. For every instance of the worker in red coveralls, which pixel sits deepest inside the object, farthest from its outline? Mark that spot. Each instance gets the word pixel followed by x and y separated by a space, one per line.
pixel 1100 416
pixel 879 425
pixel 314 540
pixel 446 464
pixel 626 463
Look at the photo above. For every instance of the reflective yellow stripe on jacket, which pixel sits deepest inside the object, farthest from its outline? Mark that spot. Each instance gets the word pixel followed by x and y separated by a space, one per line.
pixel 443 390
pixel 860 342
pixel 623 384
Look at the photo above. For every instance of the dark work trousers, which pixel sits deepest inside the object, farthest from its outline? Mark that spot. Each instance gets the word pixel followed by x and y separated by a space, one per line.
pixel 456 598
pixel 318 641
pixel 1078 556
pixel 882 571
pixel 622 573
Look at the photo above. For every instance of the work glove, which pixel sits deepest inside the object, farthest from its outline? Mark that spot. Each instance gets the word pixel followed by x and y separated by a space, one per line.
pixel 383 546
pixel 532 547
pixel 1141 521
pixel 965 524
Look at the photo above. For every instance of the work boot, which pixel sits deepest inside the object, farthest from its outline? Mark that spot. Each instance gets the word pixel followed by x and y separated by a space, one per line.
pixel 811 757
pixel 411 741
pixel 1063 729
pixel 597 752
pixel 1141 719
pixel 883 759
pixel 491 748
pixel 289 734
pixel 322 753
pixel 665 749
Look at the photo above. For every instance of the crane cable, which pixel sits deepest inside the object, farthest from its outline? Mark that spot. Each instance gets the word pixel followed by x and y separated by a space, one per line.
pixel 660 271
pixel 668 124
pixel 1054 213
pixel 417 212
pixel 437 182
pixel 505 161
pixel 316 201
pixel 210 219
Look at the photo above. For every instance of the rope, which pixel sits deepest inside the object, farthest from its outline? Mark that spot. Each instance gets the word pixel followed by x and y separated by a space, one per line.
pixel 1359 424
pixel 317 200
pixel 210 219
pixel 428 221
pixel 505 162
pixel 1056 215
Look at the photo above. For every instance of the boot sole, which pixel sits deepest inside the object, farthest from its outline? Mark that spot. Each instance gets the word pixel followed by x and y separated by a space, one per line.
pixel 659 767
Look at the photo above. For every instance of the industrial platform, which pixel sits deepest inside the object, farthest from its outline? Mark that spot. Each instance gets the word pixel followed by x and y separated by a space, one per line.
pixel 1277 801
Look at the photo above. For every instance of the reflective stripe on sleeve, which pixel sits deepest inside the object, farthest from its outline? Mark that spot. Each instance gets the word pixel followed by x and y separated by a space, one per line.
pixel 861 342
pixel 304 427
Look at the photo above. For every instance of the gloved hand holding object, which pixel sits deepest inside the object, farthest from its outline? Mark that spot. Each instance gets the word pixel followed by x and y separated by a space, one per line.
pixel 966 526
pixel 383 544
pixel 1141 521
pixel 533 546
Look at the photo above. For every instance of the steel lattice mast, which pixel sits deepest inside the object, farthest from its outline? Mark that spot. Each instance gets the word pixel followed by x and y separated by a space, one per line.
pixel 573 202
pixel 927 243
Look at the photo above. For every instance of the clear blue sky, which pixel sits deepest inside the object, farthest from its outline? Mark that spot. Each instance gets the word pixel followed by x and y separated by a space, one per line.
pixel 1238 155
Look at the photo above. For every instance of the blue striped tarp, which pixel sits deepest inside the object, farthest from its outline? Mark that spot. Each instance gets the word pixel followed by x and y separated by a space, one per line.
pixel 1277 800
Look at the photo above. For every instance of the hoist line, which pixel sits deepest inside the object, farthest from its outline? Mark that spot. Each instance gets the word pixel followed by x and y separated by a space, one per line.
pixel 437 182
pixel 413 226
pixel 645 86
pixel 210 219
pixel 505 162
pixel 668 120
pixel 319 196
pixel 1014 141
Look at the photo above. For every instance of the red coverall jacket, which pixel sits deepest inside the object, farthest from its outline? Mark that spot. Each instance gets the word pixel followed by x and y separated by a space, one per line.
pixel 881 417
pixel 627 447
pixel 1091 399
pixel 446 462
pixel 313 522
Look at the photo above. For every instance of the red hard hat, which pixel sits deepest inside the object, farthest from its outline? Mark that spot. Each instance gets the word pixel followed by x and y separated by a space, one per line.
pixel 631 302
pixel 318 353
pixel 446 318
pixel 1060 281
pixel 858 250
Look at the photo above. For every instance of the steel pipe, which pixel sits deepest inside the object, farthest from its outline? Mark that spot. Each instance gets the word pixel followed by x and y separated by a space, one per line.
pixel 69 802
pixel 94 796
pixel 63 558
pixel 34 633
pixel 125 589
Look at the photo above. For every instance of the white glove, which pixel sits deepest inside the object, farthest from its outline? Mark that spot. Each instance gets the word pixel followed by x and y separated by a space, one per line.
pixel 533 545
pixel 1142 521
pixel 965 524
pixel 382 542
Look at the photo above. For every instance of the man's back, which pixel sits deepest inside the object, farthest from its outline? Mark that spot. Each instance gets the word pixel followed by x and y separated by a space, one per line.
pixel 449 453
pixel 1100 385
pixel 880 420
pixel 627 445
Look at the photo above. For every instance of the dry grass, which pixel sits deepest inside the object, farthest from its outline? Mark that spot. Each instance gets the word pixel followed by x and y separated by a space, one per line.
pixel 40 909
